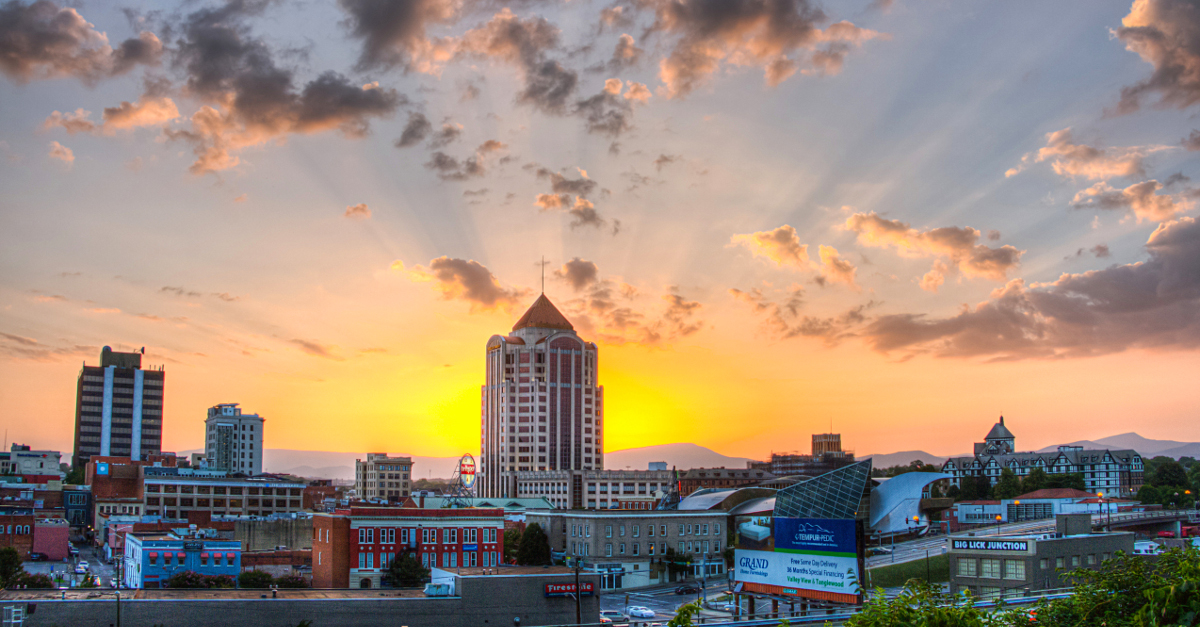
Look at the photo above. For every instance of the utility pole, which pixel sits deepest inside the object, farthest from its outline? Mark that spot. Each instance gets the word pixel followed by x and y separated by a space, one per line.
pixel 578 594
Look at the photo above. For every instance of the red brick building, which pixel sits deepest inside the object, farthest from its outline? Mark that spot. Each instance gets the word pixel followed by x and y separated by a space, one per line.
pixel 353 546
pixel 16 530
pixel 697 478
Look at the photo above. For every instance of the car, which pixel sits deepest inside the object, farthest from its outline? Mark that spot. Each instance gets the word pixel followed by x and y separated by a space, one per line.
pixel 38 557
pixel 638 611
pixel 729 607
pixel 687 589
pixel 83 564
pixel 880 550
pixel 612 615
pixel 605 621
pixel 73 552
pixel 80 570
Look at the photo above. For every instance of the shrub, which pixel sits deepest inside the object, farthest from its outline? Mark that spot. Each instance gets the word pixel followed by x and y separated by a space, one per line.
pixel 254 579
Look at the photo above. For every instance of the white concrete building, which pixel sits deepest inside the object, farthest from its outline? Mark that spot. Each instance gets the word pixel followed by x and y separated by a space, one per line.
pixel 233 440
pixel 383 477
pixel 21 460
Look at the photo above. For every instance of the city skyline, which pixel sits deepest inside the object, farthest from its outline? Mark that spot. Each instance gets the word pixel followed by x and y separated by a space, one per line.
pixel 765 227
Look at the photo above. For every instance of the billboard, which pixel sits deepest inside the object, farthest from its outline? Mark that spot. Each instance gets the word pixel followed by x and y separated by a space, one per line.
pixel 466 471
pixel 803 557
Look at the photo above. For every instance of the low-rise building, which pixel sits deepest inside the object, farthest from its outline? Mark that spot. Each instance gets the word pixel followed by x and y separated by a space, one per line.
pixel 151 558
pixel 697 478
pixel 992 566
pixel 632 549
pixel 16 531
pixel 353 546
pixel 592 489
pixel 174 492
pixel 23 460
pixel 52 538
pixel 382 477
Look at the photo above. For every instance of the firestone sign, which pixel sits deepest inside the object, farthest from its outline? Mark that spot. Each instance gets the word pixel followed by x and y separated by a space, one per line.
pixel 567 589
pixel 990 545
pixel 466 470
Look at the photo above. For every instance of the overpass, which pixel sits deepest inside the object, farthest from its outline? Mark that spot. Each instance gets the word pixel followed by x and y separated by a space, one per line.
pixel 1148 523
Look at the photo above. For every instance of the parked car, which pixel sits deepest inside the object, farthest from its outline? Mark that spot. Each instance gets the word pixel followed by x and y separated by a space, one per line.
pixel 80 570
pixel 38 557
pixel 687 589
pixel 613 615
pixel 73 552
pixel 605 621
pixel 637 611
pixel 83 564
pixel 879 550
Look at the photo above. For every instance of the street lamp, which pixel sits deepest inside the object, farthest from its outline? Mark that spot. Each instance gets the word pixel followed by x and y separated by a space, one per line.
pixel 1017 503
pixel 998 524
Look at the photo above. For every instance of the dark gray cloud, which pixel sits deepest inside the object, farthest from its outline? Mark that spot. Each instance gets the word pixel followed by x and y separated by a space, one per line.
pixel 446 135
pixel 227 65
pixel 393 32
pixel 316 349
pixel 1099 250
pixel 578 273
pixel 451 169
pixel 548 85
pixel 1165 34
pixel 469 280
pixel 42 40
pixel 784 318
pixel 560 184
pixel 1192 141
pixel 607 113
pixel 1148 304
pixel 415 132
pixel 625 54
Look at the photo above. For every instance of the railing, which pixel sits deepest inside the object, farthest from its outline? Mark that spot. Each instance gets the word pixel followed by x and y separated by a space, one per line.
pixel 1105 518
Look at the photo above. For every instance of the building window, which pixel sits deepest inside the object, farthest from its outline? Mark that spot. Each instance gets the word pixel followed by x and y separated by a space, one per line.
pixel 988 593
pixel 1043 563
pixel 1014 569
pixel 989 568
pixel 1058 562
pixel 650 530
pixel 1091 559
pixel 1074 560
pixel 636 548
pixel 622 548
pixel 622 531
pixel 608 531
pixel 608 549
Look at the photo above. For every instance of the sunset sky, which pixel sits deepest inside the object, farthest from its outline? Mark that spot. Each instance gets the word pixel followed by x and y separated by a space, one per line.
pixel 898 219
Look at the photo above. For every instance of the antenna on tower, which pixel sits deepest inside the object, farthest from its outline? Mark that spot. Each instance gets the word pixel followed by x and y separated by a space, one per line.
pixel 543 275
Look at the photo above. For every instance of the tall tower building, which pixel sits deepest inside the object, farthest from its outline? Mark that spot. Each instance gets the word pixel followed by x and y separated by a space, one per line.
pixel 233 440
pixel 118 408
pixel 542 408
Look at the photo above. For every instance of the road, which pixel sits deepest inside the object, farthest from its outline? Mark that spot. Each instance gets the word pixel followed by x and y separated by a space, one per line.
pixel 662 600
pixel 936 545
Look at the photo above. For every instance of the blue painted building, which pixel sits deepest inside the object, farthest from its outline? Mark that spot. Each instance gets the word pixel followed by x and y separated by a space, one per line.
pixel 152 558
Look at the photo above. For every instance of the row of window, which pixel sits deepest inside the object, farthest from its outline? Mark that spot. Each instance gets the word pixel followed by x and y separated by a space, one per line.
pixel 683 547
pixel 15 529
pixel 450 535
pixel 173 559
pixel 187 489
pixel 685 529
pixel 234 503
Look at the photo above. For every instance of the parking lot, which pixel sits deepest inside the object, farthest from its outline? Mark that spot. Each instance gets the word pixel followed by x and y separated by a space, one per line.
pixel 88 554
pixel 662 600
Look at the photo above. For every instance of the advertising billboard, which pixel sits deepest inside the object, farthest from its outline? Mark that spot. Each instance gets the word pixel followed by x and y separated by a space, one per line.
pixel 466 471
pixel 803 557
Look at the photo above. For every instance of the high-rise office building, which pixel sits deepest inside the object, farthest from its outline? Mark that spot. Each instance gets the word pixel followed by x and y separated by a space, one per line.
pixel 826 443
pixel 118 408
pixel 233 440
pixel 542 408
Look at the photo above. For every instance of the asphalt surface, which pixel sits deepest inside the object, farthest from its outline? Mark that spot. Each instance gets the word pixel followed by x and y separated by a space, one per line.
pixel 662 600
pixel 936 544
pixel 93 557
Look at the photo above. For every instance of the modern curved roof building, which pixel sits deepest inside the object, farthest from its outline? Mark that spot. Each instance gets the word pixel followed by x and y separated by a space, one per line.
pixel 896 501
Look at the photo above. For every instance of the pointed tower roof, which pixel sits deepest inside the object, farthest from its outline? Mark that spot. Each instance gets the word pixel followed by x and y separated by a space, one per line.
pixel 544 315
pixel 1000 432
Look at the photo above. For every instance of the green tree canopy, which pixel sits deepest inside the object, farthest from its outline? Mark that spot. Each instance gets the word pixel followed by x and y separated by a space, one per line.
pixel 10 566
pixel 1170 473
pixel 1034 481
pixel 1072 480
pixel 406 571
pixel 1149 495
pixel 255 579
pixel 1009 486
pixel 534 549
pixel 512 542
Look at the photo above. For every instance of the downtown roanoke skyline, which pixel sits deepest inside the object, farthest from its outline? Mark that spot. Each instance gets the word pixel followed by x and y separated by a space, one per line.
pixel 894 219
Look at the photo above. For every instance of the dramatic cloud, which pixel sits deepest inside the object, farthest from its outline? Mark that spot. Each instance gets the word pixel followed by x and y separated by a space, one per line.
pixel 608 112
pixel 781 36
pixel 784 319
pixel 62 153
pixel 625 54
pixel 524 43
pixel 1139 199
pixel 1073 160
pixel 560 184
pixel 253 100
pixel 1149 304
pixel 358 212
pixel 579 274
pixel 393 33
pixel 1165 34
pixel 147 111
pixel 43 41
pixel 834 268
pixel 781 245
pixel 451 169
pixel 464 279
pixel 415 132
pixel 958 245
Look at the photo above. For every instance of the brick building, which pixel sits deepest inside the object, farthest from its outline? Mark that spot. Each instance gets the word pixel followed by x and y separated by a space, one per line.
pixel 16 531
pixel 353 546
pixel 697 478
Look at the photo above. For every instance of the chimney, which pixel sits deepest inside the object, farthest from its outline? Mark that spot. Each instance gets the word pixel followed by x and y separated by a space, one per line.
pixel 421 503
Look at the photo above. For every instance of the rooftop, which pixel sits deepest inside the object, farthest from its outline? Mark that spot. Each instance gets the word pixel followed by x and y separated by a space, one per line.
pixel 1000 432
pixel 1057 493
pixel 195 594
pixel 543 315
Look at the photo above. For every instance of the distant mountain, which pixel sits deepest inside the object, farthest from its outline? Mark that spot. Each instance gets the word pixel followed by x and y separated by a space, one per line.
pixel 681 455
pixel 903 458
pixel 1146 447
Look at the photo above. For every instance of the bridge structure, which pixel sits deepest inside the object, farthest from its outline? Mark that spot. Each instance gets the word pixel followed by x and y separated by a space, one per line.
pixel 1148 523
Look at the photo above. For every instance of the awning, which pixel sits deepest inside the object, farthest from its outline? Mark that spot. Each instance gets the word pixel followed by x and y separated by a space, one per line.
pixel 153 554
pixel 204 555
pixel 231 555
pixel 181 555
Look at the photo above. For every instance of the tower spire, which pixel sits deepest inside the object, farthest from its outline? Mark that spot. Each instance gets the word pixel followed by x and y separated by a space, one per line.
pixel 543 274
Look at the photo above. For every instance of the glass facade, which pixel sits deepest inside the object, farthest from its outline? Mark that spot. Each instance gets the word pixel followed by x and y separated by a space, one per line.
pixel 833 495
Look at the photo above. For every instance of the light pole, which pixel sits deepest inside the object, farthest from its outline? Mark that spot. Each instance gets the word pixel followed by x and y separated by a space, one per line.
pixel 998 524
pixel 1017 511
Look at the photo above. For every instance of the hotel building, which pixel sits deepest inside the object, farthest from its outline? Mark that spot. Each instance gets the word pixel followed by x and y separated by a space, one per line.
pixel 234 440
pixel 118 408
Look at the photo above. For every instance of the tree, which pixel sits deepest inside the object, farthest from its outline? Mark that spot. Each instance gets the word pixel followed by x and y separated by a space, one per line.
pixel 1170 473
pixel 1072 480
pixel 255 579
pixel 291 581
pixel 1034 481
pixel 534 549
pixel 684 615
pixel 1149 495
pixel 193 579
pixel 40 581
pixel 10 566
pixel 1009 486
pixel 512 541
pixel 406 571
pixel 75 477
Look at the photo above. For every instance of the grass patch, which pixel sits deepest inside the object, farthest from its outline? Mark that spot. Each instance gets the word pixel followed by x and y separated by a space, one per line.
pixel 896 575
